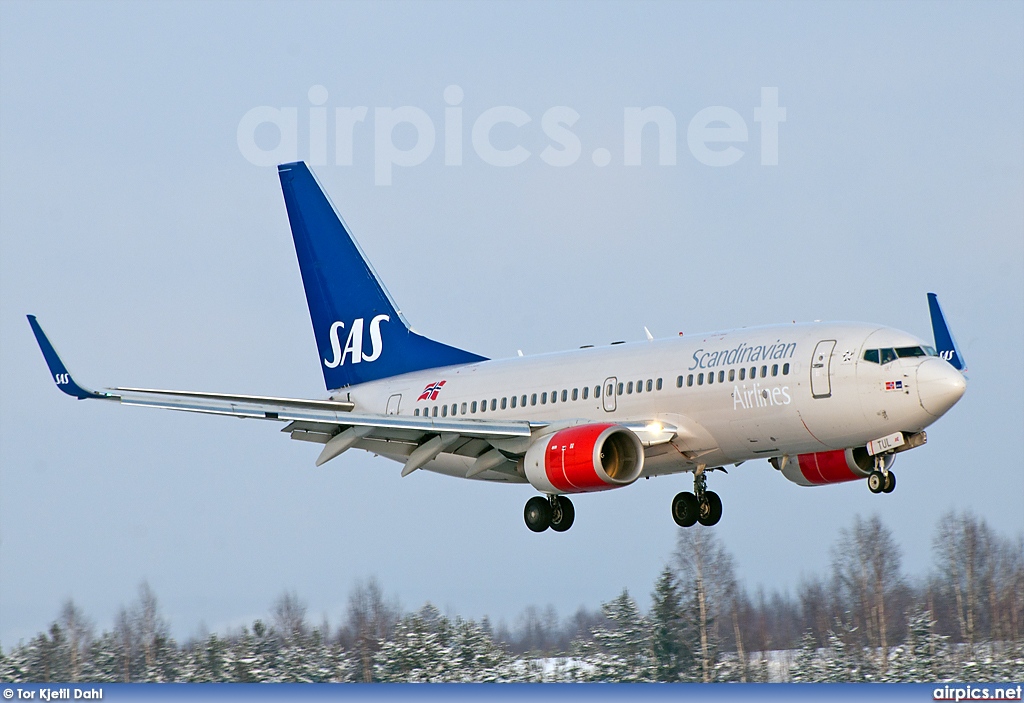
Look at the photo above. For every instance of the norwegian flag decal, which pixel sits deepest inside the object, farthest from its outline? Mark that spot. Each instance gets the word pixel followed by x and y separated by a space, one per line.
pixel 431 391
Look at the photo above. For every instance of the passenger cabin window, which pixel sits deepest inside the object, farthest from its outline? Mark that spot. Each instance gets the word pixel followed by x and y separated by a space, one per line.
pixel 785 369
pixel 544 398
pixel 689 380
pixel 533 399
pixel 472 408
pixel 463 410
pixel 629 388
pixel 679 382
pixel 444 411
pixel 416 411
pixel 700 379
pixel 657 385
pixel 586 392
pixel 732 375
pixel 764 372
pixel 454 408
pixel 434 411
pixel 721 376
pixel 650 384
pixel 513 402
pixel 711 378
pixel 775 369
pixel 575 394
pixel 753 372
pixel 503 404
pixel 522 400
pixel 620 388
pixel 743 374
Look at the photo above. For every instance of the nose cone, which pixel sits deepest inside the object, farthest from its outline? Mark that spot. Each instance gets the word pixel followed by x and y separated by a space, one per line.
pixel 939 386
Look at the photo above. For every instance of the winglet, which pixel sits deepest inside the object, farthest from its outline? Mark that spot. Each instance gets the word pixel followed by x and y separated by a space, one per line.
pixel 57 369
pixel 945 345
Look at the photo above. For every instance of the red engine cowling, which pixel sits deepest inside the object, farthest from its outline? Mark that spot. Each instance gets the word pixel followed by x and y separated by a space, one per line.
pixel 585 458
pixel 829 467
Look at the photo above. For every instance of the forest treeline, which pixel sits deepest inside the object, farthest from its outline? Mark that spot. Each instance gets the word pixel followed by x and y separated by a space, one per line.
pixel 865 620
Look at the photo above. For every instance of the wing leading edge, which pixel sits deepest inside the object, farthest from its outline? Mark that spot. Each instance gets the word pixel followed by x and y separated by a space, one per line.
pixel 414 441
pixel 315 420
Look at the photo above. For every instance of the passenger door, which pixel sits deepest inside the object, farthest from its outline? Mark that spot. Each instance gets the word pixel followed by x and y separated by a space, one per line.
pixel 393 404
pixel 821 366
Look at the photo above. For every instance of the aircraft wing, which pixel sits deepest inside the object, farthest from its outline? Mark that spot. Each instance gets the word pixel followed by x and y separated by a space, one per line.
pixel 413 440
pixel 313 420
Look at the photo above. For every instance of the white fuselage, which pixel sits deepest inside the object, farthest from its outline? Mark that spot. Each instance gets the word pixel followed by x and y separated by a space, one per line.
pixel 732 396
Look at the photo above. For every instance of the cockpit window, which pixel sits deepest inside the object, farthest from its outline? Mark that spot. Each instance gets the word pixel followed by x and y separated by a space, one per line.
pixel 884 356
pixel 904 352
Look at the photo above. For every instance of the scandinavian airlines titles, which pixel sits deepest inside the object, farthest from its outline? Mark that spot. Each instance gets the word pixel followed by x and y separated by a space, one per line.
pixel 742 354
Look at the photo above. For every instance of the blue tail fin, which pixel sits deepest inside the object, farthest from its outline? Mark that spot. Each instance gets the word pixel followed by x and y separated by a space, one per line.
pixel 360 333
pixel 945 345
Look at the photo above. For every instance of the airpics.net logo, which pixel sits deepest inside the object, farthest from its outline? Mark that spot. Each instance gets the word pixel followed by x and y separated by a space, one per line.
pixel 716 136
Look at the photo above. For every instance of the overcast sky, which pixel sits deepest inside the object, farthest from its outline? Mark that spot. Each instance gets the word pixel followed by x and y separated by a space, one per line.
pixel 156 253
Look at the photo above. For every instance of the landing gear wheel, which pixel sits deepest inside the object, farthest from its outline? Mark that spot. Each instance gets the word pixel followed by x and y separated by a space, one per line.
pixel 537 514
pixel 709 511
pixel 563 515
pixel 890 483
pixel 685 509
pixel 876 482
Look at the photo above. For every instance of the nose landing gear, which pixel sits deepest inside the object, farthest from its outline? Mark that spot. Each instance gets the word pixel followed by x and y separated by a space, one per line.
pixel 555 512
pixel 701 506
pixel 882 480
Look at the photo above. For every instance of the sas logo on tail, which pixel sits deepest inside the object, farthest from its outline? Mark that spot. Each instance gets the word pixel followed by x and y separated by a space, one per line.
pixel 354 344
pixel 431 391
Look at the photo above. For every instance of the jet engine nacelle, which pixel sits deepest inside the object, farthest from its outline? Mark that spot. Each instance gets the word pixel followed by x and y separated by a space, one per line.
pixel 585 458
pixel 835 466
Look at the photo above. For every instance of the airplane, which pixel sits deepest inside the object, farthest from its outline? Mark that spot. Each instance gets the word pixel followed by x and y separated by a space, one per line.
pixel 824 403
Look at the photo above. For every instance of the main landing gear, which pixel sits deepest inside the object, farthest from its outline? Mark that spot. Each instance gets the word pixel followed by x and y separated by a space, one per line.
pixel 882 480
pixel 701 506
pixel 543 512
